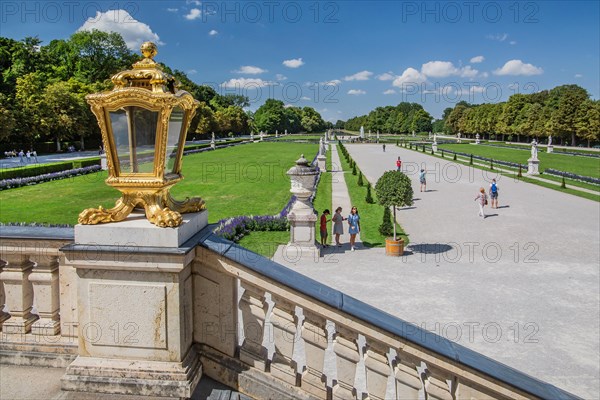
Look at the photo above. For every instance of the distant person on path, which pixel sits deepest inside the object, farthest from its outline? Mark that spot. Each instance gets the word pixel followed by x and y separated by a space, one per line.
pixel 422 180
pixel 21 155
pixel 34 154
pixel 323 227
pixel 354 226
pixel 398 164
pixel 481 201
pixel 28 156
pixel 338 226
pixel 384 147
pixel 494 194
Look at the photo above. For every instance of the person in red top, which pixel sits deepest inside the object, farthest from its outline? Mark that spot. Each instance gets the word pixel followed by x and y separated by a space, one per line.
pixel 323 229
pixel 399 164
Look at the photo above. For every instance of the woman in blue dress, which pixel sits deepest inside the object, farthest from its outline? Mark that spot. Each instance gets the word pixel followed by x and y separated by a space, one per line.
pixel 354 226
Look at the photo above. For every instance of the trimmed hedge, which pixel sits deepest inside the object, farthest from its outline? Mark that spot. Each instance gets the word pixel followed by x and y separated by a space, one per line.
pixel 25 172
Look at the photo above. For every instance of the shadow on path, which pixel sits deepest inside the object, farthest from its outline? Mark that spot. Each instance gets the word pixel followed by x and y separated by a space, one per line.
pixel 429 248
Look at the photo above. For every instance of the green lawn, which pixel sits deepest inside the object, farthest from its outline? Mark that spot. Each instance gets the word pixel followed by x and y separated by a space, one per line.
pixel 265 243
pixel 578 165
pixel 241 180
pixel 371 215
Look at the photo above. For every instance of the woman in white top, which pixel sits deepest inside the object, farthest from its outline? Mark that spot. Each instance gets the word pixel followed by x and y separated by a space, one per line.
pixel 338 227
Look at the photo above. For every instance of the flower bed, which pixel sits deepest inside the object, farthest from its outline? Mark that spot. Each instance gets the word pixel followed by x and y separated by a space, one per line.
pixel 581 178
pixel 33 180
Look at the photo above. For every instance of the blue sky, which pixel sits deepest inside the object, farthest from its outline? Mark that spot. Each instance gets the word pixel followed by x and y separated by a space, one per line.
pixel 345 58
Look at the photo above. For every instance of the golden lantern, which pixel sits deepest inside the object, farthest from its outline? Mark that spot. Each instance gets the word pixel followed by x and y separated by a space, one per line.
pixel 144 121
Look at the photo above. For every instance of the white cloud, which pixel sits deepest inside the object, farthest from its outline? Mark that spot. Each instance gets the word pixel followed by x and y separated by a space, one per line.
pixel 194 2
pixel 172 9
pixel 293 63
pixel 442 69
pixel 359 76
pixel 390 91
pixel 213 32
pixel 280 77
pixel 439 69
pixel 355 92
pixel 470 90
pixel 250 69
pixel 334 82
pixel 468 72
pixel 409 76
pixel 192 72
pixel 305 98
pixel 518 67
pixel 193 14
pixel 513 42
pixel 245 83
pixel 500 37
pixel 477 59
pixel 578 76
pixel 386 76
pixel 485 74
pixel 133 32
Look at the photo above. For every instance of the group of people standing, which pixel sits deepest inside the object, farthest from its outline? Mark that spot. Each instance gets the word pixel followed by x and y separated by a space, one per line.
pixel 338 226
pixel 24 157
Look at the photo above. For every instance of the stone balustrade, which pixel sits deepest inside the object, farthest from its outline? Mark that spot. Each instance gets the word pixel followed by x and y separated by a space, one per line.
pixel 260 328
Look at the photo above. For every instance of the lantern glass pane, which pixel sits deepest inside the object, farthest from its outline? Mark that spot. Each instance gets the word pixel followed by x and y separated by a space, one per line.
pixel 175 125
pixel 134 131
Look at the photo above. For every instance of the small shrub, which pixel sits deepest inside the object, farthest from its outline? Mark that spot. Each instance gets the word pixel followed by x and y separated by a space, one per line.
pixel 563 185
pixel 360 179
pixel 369 197
pixel 386 228
pixel 454 158
pixel 353 168
pixel 471 160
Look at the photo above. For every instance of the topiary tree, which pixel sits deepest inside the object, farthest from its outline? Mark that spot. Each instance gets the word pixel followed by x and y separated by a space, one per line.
pixel 369 197
pixel 394 189
pixel 471 160
pixel 353 168
pixel 454 158
pixel 386 228
pixel 360 179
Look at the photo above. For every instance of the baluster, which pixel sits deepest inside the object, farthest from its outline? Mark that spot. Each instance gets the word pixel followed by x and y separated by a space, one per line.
pixel 436 387
pixel 253 308
pixel 284 322
pixel 378 369
pixel 44 279
pixel 314 334
pixel 3 316
pixel 346 349
pixel 18 292
pixel 408 381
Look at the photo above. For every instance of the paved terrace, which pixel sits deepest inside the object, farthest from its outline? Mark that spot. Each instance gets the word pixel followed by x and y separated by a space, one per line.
pixel 521 286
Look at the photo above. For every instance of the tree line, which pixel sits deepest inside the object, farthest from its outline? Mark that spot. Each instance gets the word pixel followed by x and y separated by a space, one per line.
pixel 43 89
pixel 565 112
pixel 403 118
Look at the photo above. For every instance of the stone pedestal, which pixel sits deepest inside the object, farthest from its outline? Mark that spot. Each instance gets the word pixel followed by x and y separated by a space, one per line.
pixel 550 149
pixel 477 141
pixel 134 295
pixel 322 163
pixel 434 147
pixel 103 163
pixel 533 166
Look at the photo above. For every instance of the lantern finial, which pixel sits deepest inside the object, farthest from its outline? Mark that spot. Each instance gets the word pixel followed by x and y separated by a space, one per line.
pixel 149 50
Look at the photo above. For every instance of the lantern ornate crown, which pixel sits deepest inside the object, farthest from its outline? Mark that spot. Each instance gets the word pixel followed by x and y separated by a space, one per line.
pixel 144 121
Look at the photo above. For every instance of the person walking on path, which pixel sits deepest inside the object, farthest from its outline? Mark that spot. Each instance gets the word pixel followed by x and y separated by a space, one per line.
pixel 398 164
pixel 21 155
pixel 338 226
pixel 354 226
pixel 494 194
pixel 323 229
pixel 422 180
pixel 481 200
pixel 384 147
